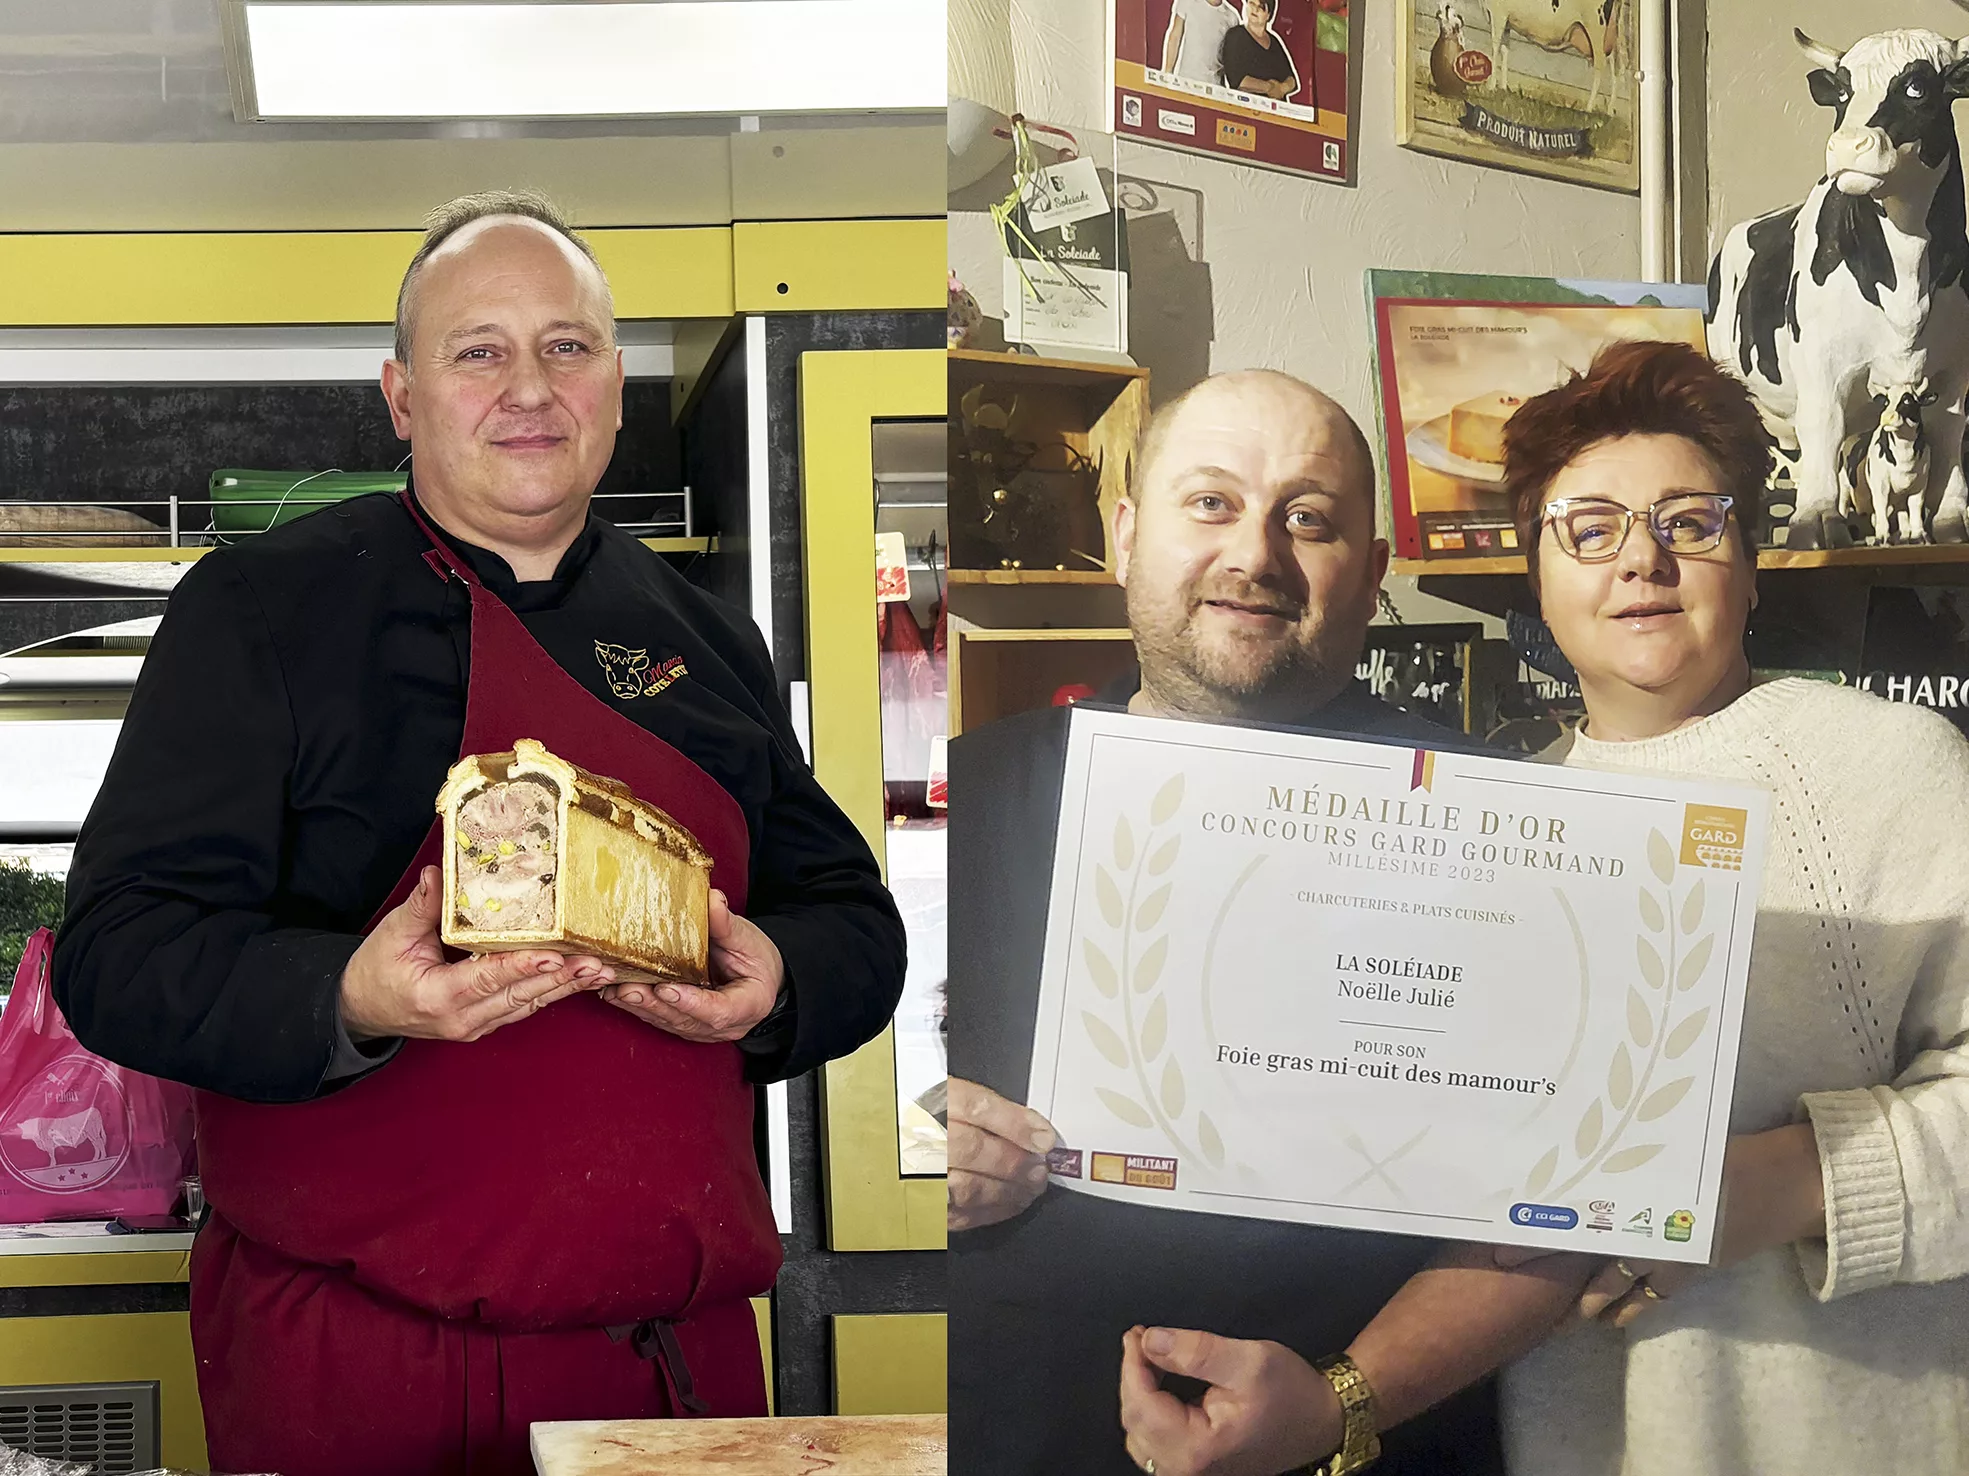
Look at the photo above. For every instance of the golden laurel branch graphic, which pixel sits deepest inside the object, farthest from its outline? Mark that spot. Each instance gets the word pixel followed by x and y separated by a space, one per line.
pixel 1631 1095
pixel 1132 905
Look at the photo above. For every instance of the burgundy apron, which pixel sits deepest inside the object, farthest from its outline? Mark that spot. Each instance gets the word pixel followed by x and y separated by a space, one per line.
pixel 562 1220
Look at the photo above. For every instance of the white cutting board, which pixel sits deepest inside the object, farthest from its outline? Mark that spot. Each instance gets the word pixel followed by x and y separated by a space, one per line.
pixel 833 1445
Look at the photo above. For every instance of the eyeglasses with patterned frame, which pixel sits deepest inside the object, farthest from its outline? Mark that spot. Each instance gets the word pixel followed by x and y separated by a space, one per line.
pixel 1594 529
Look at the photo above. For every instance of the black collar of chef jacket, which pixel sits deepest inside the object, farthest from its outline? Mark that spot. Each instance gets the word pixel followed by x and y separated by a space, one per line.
pixel 497 575
pixel 1352 703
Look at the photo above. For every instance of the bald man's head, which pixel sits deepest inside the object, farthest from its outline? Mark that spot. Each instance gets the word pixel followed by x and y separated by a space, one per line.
pixel 461 216
pixel 510 388
pixel 1323 408
pixel 1247 548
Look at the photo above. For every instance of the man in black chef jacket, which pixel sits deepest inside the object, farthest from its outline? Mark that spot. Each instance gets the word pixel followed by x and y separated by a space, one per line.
pixel 297 713
pixel 1248 551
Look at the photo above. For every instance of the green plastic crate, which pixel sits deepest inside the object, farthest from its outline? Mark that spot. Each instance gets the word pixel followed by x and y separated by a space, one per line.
pixel 254 501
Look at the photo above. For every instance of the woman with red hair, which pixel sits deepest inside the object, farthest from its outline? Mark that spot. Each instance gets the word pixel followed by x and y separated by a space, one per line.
pixel 1832 1333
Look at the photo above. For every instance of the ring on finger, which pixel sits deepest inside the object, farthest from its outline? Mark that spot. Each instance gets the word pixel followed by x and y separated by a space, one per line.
pixel 1649 1292
pixel 1148 1466
pixel 1626 1270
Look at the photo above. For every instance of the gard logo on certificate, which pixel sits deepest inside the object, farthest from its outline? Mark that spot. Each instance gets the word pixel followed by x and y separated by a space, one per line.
pixel 1344 983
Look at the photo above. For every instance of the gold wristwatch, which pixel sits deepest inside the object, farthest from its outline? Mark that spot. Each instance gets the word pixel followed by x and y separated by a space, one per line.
pixel 1361 1445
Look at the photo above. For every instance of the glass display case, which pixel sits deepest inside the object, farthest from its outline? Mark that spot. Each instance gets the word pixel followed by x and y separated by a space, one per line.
pixel 872 454
pixel 911 591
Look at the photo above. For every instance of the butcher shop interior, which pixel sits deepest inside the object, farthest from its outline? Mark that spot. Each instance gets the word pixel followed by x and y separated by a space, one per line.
pixel 549 841
pixel 200 282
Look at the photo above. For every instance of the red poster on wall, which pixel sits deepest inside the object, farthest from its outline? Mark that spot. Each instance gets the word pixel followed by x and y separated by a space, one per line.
pixel 1268 82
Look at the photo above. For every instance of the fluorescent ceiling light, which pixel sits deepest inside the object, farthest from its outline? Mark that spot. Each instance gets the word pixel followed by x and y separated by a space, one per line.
pixel 619 58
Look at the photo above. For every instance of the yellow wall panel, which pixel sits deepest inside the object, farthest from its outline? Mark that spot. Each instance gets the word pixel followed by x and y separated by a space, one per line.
pixel 311 277
pixel 762 1313
pixel 257 277
pixel 271 277
pixel 891 1364
pixel 839 265
pixel 103 1268
pixel 125 1348
pixel 681 273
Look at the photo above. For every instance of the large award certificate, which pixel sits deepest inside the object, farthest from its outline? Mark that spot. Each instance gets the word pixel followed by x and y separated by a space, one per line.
pixel 1352 984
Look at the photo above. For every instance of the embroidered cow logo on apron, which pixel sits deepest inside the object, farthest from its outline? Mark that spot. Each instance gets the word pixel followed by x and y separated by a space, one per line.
pixel 630 673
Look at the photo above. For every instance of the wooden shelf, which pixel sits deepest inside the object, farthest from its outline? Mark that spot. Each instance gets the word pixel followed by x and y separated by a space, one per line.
pixel 1095 411
pixel 972 365
pixel 1504 564
pixel 1907 556
pixel 106 554
pixel 996 671
pixel 1025 635
pixel 153 555
pixel 1927 555
pixel 1031 576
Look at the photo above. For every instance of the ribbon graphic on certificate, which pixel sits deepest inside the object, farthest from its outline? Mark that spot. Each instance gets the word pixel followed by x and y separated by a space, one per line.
pixel 1347 983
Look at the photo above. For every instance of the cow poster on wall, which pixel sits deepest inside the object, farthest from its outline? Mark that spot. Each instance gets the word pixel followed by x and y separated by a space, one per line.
pixel 1275 83
pixel 1540 86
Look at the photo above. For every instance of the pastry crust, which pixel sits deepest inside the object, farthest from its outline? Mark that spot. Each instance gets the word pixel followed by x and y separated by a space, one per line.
pixel 540 853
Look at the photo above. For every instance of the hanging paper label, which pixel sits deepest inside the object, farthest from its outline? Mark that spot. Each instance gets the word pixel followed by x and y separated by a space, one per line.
pixel 891 568
pixel 938 796
pixel 1064 194
pixel 1069 285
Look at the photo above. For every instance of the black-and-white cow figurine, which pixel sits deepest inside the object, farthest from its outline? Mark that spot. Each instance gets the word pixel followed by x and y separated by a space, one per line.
pixel 1864 279
pixel 1884 472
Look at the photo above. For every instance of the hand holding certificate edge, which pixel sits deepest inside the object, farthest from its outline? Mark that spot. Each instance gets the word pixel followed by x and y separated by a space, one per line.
pixel 1773 1194
pixel 997 1156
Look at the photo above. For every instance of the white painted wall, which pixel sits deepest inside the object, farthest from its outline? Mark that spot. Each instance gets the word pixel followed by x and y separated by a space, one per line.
pixel 1238 267
pixel 1280 257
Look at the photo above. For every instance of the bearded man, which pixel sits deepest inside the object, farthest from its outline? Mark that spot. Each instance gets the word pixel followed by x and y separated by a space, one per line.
pixel 1248 551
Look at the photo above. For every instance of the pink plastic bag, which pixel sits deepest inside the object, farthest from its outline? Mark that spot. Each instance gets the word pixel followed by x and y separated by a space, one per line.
pixel 80 1137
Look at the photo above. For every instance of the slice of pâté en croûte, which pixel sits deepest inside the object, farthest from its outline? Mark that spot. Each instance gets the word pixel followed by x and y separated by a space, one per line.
pixel 540 853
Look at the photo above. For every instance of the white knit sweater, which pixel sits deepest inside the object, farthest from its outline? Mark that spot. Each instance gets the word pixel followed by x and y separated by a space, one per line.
pixel 1852 1353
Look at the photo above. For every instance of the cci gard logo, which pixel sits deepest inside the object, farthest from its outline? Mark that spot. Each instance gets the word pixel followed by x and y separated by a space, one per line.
pixel 1713 836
